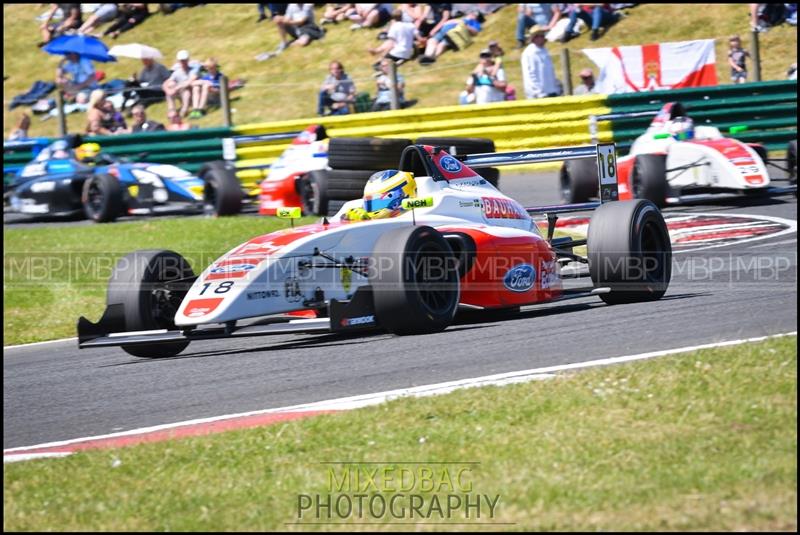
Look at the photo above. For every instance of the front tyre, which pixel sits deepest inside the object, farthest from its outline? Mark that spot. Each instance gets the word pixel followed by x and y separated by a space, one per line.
pixel 629 251
pixel 102 198
pixel 414 279
pixel 140 283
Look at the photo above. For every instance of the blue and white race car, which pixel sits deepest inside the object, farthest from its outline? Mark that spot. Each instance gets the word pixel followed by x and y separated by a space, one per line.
pixel 64 181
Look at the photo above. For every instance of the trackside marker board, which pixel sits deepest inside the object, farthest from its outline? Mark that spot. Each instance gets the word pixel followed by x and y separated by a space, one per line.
pixel 607 171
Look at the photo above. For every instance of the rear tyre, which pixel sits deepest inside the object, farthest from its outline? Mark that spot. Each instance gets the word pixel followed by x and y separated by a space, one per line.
pixel 650 178
pixel 791 160
pixel 102 198
pixel 222 192
pixel 579 181
pixel 139 283
pixel 629 251
pixel 365 152
pixel 414 281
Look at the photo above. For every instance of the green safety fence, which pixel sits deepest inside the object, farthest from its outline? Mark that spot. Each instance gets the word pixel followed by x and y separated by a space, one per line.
pixel 769 109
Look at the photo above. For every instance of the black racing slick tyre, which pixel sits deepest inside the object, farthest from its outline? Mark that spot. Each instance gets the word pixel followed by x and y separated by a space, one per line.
pixel 319 188
pixel 467 145
pixel 222 191
pixel 762 153
pixel 650 178
pixel 372 153
pixel 414 279
pixel 629 251
pixel 791 161
pixel 140 283
pixel 579 181
pixel 102 198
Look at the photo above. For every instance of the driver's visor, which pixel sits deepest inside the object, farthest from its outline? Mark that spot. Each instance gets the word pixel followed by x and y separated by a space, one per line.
pixel 387 200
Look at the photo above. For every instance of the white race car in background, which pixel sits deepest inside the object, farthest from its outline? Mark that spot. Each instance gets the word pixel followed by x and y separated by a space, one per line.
pixel 676 161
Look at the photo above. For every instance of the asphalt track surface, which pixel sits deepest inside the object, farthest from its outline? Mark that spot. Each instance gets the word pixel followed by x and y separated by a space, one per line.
pixel 57 392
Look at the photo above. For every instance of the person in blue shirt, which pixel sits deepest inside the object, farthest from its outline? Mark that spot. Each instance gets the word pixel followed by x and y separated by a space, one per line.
pixel 206 85
pixel 75 75
pixel 437 44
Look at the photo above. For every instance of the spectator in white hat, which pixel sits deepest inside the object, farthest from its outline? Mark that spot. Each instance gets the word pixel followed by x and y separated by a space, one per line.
pixel 180 81
pixel 538 74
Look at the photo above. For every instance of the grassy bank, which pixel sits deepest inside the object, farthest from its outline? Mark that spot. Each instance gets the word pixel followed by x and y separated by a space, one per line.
pixel 700 441
pixel 286 87
pixel 53 275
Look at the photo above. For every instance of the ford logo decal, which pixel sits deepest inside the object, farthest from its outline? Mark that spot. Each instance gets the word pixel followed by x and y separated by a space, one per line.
pixel 520 278
pixel 450 164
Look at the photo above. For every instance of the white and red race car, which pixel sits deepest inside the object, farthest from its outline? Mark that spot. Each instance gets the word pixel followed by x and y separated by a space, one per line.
pixel 675 161
pixel 456 243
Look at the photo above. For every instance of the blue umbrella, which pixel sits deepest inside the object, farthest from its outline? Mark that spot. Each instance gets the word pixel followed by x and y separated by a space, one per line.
pixel 87 46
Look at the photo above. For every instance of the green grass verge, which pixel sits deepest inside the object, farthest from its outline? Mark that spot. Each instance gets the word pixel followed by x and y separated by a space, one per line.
pixel 286 87
pixel 53 275
pixel 700 441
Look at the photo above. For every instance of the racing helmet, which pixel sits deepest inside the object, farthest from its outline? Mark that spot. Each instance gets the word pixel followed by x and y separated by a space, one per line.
pixel 385 191
pixel 87 151
pixel 682 128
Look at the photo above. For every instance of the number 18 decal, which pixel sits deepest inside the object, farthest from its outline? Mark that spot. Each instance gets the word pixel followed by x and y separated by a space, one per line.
pixel 607 171
pixel 607 163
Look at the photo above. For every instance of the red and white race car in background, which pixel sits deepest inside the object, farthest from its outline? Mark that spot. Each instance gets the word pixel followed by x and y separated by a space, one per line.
pixel 674 161
pixel 307 152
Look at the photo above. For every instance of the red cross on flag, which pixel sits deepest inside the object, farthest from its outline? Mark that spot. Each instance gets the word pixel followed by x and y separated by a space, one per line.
pixel 628 69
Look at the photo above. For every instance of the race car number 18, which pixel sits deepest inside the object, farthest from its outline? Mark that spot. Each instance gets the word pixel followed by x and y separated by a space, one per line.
pixel 607 171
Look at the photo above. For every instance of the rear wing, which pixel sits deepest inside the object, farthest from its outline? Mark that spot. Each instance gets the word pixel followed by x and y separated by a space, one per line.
pixel 603 153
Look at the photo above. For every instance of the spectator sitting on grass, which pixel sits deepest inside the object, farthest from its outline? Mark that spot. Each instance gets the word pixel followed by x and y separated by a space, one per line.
pixel 180 82
pixel 129 15
pixel 298 22
pixel 435 16
pixel 383 99
pixel 594 15
pixel 437 44
pixel 399 43
pixel 369 15
pixel 21 132
pixel 545 15
pixel 72 21
pixel 141 123
pixel 112 120
pixel 95 114
pixel 207 84
pixel 75 76
pixel 335 13
pixel 104 13
pixel 149 81
pixel 338 91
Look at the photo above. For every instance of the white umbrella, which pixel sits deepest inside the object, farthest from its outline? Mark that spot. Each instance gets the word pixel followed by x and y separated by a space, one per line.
pixel 136 51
